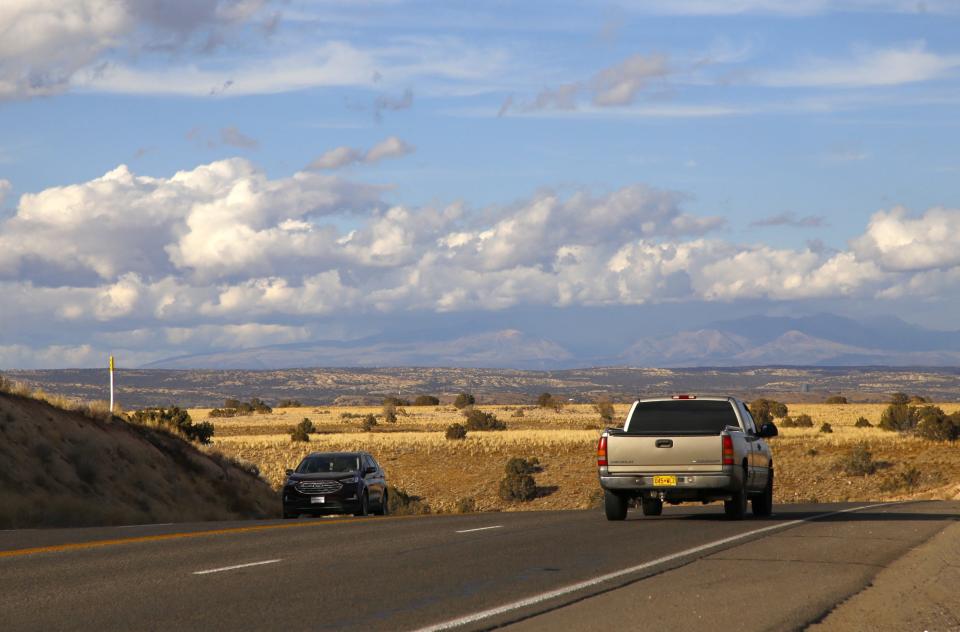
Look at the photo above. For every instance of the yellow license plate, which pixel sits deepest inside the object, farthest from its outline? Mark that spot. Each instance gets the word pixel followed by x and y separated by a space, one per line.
pixel 664 481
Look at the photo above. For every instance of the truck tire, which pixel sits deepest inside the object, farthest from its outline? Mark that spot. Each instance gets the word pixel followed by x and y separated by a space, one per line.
pixel 614 505
pixel 763 504
pixel 736 507
pixel 651 506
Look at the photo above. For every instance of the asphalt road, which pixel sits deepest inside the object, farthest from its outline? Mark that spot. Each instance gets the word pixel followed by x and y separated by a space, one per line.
pixel 544 570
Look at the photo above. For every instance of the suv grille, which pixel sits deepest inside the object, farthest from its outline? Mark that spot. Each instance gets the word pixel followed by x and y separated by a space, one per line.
pixel 319 487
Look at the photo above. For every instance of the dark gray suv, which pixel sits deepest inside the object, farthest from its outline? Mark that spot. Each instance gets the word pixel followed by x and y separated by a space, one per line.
pixel 335 483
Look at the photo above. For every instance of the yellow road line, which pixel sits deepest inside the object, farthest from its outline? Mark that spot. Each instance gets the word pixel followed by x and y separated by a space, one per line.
pixel 74 546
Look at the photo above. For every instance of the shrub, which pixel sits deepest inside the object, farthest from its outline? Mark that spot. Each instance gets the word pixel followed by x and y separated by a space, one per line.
pixel 517 413
pixel 900 398
pixel 259 406
pixel 175 419
pixel 369 422
pixel 299 433
pixel 426 400
pixel 403 504
pixel 463 400
pixel 899 417
pixel 518 484
pixel 307 425
pixel 826 428
pixel 546 400
pixel 390 411
pixel 289 403
pixel 863 422
pixel 518 466
pixel 395 401
pixel 479 420
pixel 351 415
pixel 223 412
pixel 456 432
pixel 803 421
pixel 605 407
pixel 466 505
pixel 858 462
pixel 764 410
pixel 909 479
pixel 836 399
pixel 936 425
pixel 231 403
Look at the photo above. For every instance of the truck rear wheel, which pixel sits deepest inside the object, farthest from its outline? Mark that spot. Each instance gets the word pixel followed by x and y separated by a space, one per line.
pixel 763 504
pixel 651 506
pixel 736 507
pixel 614 505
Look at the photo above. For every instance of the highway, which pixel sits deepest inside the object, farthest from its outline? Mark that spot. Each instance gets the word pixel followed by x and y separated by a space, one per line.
pixel 688 569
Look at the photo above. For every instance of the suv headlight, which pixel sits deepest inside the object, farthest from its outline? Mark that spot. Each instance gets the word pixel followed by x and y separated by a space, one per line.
pixel 349 479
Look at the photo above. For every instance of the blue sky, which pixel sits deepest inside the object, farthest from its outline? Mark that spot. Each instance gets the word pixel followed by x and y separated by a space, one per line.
pixel 385 159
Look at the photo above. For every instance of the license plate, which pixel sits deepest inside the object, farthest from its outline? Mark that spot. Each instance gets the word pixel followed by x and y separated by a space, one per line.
pixel 317 500
pixel 664 481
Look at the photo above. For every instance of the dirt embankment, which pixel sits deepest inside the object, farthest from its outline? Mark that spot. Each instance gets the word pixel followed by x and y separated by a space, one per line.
pixel 70 468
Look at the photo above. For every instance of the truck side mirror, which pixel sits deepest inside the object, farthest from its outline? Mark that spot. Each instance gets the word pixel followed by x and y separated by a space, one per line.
pixel 767 430
pixel 289 472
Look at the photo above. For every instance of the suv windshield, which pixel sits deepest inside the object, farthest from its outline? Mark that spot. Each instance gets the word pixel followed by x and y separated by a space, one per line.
pixel 682 417
pixel 332 463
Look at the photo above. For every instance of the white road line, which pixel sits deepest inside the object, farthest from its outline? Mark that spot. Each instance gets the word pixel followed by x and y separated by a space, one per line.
pixel 566 590
pixel 230 568
pixel 499 526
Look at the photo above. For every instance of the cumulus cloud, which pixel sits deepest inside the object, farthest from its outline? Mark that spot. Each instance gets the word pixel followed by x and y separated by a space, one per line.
pixel 45 43
pixel 390 147
pixel 902 243
pixel 225 254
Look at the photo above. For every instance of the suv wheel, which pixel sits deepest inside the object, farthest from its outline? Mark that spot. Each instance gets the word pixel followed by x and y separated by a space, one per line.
pixel 289 515
pixel 763 504
pixel 384 505
pixel 651 506
pixel 614 505
pixel 364 508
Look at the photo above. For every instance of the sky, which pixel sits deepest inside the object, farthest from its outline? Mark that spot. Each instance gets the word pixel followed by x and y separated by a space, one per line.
pixel 186 176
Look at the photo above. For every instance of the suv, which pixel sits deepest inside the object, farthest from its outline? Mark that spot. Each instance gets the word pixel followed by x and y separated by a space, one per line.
pixel 335 482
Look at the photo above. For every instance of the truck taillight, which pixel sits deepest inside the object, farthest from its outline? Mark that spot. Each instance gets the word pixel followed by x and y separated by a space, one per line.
pixel 684 396
pixel 727 450
pixel 602 452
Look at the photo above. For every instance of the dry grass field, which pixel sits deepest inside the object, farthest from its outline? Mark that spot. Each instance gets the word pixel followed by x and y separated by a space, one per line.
pixel 419 459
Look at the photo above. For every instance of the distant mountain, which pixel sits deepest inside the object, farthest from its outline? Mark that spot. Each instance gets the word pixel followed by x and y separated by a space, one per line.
pixel 718 348
pixel 820 340
pixel 506 348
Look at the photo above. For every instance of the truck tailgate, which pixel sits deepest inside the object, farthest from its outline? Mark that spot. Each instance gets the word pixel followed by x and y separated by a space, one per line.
pixel 629 454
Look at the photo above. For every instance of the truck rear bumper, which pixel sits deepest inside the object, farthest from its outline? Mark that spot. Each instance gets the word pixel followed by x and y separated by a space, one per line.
pixel 690 486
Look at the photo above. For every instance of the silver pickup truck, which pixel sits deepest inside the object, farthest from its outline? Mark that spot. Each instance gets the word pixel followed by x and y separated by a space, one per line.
pixel 687 449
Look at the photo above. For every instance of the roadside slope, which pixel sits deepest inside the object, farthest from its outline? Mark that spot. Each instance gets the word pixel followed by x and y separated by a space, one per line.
pixel 75 468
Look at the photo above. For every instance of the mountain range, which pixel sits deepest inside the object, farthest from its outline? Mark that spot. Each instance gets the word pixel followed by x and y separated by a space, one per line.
pixel 820 340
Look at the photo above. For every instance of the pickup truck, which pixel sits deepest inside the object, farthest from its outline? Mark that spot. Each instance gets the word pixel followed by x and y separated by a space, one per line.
pixel 687 448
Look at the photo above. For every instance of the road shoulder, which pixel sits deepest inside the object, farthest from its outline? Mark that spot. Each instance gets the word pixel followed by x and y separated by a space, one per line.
pixel 917 592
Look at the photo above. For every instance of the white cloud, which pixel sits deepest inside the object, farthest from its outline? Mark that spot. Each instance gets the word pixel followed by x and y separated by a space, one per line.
pixel 876 67
pixel 899 242
pixel 45 43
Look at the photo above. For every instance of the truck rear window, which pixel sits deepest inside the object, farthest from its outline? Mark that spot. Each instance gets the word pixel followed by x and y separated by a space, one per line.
pixel 676 417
